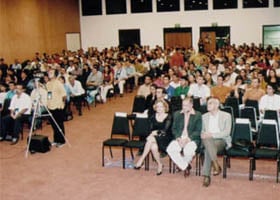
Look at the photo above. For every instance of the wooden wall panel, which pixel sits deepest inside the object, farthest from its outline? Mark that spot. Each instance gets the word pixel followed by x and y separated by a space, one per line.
pixel 29 26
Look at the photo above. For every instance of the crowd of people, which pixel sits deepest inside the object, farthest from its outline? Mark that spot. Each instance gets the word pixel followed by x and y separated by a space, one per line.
pixel 246 72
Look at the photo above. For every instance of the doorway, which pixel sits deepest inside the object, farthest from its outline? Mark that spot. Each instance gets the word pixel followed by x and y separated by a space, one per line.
pixel 214 38
pixel 129 38
pixel 177 37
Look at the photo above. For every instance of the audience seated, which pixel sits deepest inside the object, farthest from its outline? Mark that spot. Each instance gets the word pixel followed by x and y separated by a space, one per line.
pixel 76 93
pixel 254 92
pixel 120 77
pixel 20 108
pixel 94 80
pixel 144 89
pixel 220 90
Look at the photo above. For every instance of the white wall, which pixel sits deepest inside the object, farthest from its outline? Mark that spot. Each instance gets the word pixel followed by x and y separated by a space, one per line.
pixel 245 24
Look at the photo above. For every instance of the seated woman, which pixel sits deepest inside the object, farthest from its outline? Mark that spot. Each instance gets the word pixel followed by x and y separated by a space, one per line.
pixel 270 101
pixel 160 137
pixel 108 78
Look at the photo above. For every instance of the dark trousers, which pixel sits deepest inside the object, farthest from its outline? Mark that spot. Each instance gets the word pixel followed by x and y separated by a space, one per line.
pixel 77 100
pixel 13 126
pixel 58 115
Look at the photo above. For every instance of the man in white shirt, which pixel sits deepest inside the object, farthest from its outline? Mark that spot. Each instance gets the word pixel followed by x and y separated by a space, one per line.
pixel 215 136
pixel 199 90
pixel 20 109
pixel 77 92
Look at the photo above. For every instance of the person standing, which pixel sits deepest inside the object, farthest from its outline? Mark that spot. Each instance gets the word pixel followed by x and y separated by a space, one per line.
pixel 55 103
pixel 215 136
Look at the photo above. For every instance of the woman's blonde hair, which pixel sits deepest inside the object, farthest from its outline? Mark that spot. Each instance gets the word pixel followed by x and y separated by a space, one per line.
pixel 165 104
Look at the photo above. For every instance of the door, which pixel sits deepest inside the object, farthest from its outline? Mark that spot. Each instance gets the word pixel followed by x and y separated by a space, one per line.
pixel 73 41
pixel 178 40
pixel 129 38
pixel 177 37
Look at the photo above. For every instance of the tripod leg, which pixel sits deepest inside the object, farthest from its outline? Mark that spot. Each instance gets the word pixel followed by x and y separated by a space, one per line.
pixel 31 128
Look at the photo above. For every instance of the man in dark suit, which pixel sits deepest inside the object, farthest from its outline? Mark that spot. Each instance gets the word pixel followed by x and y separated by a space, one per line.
pixel 186 130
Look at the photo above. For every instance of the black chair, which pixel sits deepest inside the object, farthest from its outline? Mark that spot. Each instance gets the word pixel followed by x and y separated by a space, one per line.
pixel 120 134
pixel 234 103
pixel 5 107
pixel 175 103
pixel 139 104
pixel 229 110
pixel 196 103
pixel 255 104
pixel 250 113
pixel 242 145
pixel 267 145
pixel 141 130
pixel 272 114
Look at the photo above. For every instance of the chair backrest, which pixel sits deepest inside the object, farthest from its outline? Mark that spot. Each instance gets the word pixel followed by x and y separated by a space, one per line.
pixel 176 103
pixel 6 105
pixel 141 126
pixel 242 130
pixel 139 104
pixel 196 103
pixel 250 113
pixel 229 110
pixel 120 125
pixel 271 114
pixel 253 103
pixel 234 103
pixel 268 135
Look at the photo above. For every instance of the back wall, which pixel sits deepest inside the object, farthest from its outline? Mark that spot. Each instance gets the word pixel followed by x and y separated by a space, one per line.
pixel 29 26
pixel 245 24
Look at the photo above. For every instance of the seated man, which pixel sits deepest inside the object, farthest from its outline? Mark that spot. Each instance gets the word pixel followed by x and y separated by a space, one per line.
pixel 215 135
pixel 20 109
pixel 120 77
pixel 183 88
pixel 254 92
pixel 144 89
pixel 220 90
pixel 76 93
pixel 94 80
pixel 186 130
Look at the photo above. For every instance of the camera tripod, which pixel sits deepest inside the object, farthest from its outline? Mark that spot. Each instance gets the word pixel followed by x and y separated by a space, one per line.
pixel 37 114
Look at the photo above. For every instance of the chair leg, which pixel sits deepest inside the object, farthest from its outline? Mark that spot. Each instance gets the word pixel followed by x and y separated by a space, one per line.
pixel 196 164
pixel 131 153
pixel 228 163
pixel 225 159
pixel 21 134
pixel 111 153
pixel 278 170
pixel 201 157
pixel 170 165
pixel 251 168
pixel 102 155
pixel 147 162
pixel 123 157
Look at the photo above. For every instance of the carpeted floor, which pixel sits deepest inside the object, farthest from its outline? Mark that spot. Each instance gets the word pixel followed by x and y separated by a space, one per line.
pixel 74 171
